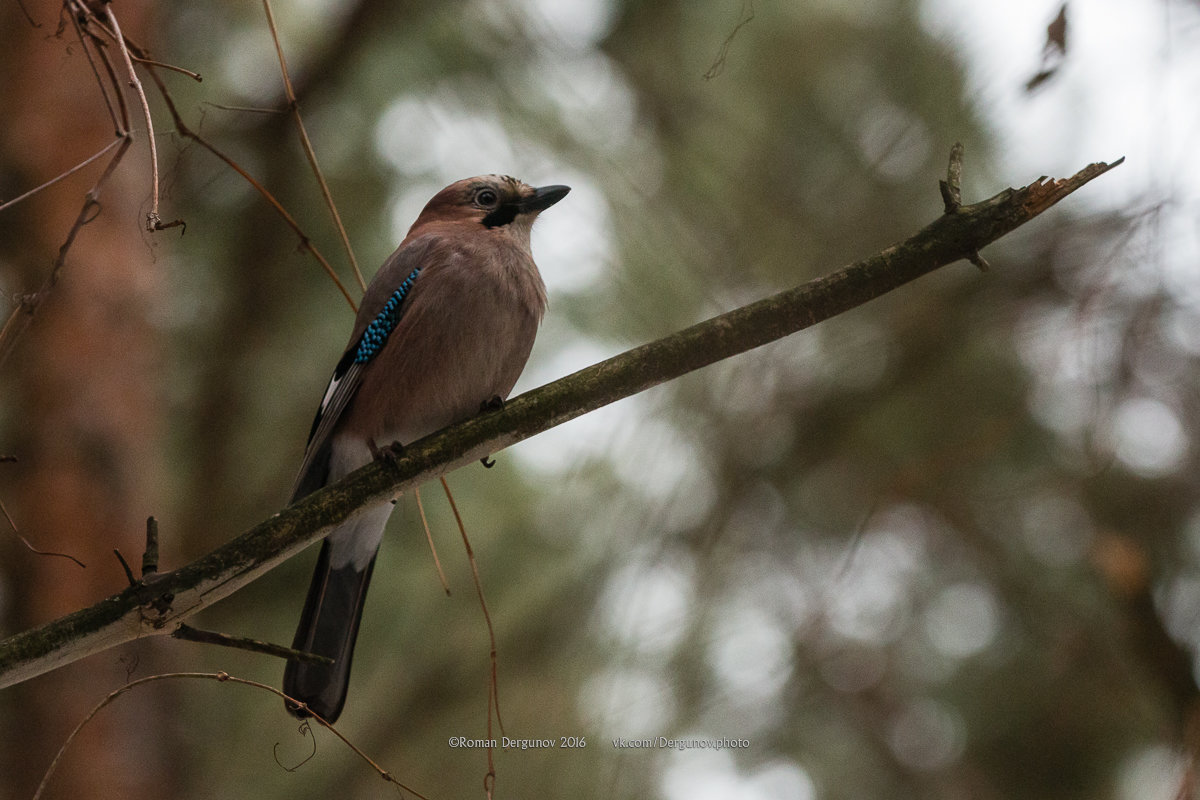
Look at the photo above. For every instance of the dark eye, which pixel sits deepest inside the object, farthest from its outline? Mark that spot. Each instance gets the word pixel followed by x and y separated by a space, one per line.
pixel 486 198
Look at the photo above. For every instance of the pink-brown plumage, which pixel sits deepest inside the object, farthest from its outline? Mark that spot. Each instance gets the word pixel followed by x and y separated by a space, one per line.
pixel 463 334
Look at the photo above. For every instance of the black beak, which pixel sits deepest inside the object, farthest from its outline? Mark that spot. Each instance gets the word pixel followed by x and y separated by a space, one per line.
pixel 543 197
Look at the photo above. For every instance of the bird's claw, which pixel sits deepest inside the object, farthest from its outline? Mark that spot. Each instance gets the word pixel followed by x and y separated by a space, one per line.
pixel 495 403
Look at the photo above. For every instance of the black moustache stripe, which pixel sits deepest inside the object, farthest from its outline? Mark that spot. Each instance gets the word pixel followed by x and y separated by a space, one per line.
pixel 503 215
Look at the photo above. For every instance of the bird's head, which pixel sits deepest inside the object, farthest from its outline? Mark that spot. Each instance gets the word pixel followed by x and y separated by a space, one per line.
pixel 497 203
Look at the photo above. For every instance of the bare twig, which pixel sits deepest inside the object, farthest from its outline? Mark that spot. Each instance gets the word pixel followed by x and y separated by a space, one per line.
pixel 120 121
pixel 189 634
pixel 718 65
pixel 153 220
pixel 437 562
pixel 951 189
pixel 66 174
pixel 196 76
pixel 493 683
pixel 28 17
pixel 220 677
pixel 12 524
pixel 952 186
pixel 125 566
pixel 245 109
pixel 21 317
pixel 294 107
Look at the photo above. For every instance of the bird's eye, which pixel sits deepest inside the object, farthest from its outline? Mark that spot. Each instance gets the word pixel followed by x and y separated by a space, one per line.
pixel 486 198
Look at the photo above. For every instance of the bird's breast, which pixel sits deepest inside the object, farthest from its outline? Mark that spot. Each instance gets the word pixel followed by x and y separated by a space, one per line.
pixel 464 338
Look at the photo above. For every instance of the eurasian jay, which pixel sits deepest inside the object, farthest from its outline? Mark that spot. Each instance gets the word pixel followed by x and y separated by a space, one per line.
pixel 445 327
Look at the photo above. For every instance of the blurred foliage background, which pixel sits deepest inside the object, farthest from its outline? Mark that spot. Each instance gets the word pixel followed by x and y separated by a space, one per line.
pixel 944 546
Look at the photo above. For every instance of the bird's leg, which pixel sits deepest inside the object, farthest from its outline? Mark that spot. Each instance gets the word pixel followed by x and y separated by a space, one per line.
pixel 495 403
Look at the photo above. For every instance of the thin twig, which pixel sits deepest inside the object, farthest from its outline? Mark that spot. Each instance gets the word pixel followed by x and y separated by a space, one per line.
pixel 153 220
pixel 493 683
pixel 245 109
pixel 294 107
pixel 189 634
pixel 437 562
pixel 22 316
pixel 125 566
pixel 220 677
pixel 718 65
pixel 120 122
pixel 196 76
pixel 64 175
pixel 28 17
pixel 952 187
pixel 91 203
pixel 12 524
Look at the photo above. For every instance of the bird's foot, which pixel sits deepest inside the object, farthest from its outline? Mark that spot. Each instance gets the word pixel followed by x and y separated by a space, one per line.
pixel 496 403
pixel 390 453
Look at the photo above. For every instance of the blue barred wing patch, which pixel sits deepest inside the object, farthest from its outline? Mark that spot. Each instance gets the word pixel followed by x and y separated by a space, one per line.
pixel 380 328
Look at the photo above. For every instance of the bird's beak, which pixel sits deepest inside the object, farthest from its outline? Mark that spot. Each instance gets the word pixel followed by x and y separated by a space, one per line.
pixel 543 197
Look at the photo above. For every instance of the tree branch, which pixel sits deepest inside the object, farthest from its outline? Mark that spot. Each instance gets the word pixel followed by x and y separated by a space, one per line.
pixel 159 604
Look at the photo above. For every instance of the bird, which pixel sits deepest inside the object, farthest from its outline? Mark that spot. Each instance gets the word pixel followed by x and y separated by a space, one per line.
pixel 444 329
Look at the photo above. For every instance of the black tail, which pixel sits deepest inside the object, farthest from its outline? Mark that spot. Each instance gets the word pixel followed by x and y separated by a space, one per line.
pixel 328 627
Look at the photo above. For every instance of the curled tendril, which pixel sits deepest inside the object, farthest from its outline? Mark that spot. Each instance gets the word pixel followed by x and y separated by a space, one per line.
pixel 305 730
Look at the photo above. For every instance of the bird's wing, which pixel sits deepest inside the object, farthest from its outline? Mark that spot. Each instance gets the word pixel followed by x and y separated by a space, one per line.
pixel 364 346
pixel 314 469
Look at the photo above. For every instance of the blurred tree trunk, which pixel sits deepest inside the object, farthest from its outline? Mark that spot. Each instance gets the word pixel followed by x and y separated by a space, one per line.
pixel 83 414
